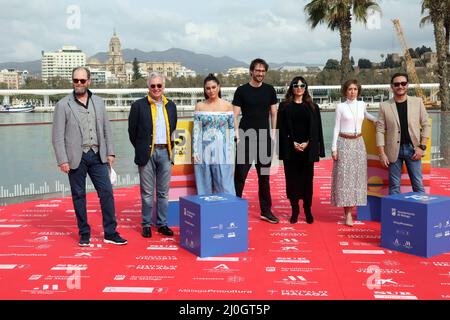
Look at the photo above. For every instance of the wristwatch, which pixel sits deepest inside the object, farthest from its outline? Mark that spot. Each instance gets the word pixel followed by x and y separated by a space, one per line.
pixel 422 146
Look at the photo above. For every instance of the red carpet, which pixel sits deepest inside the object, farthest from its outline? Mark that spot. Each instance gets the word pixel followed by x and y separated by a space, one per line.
pixel 40 257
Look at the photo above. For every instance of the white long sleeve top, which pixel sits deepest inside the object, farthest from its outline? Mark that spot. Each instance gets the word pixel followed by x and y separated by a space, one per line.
pixel 349 118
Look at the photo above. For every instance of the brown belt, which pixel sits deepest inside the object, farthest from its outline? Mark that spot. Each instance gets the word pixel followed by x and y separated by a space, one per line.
pixel 160 146
pixel 350 136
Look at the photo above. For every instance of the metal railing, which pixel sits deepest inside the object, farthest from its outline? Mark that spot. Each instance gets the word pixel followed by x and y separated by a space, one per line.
pixel 186 98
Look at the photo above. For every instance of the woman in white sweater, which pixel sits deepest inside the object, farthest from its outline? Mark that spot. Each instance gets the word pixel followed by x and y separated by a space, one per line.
pixel 349 178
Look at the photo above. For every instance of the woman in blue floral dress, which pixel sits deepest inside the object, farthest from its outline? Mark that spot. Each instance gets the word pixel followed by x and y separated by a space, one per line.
pixel 213 141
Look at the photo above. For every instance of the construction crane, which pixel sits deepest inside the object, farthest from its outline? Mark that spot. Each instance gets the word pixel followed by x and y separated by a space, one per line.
pixel 410 66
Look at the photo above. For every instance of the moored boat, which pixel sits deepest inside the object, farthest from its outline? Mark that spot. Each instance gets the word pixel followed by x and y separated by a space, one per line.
pixel 28 107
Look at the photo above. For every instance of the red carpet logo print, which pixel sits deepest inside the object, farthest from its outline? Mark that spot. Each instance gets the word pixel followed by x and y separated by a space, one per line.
pixel 40 257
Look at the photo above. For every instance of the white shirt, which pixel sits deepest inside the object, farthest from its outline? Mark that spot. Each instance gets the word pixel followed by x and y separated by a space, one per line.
pixel 349 119
pixel 161 133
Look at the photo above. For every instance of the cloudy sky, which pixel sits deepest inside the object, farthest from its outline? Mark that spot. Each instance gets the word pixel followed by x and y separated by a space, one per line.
pixel 272 29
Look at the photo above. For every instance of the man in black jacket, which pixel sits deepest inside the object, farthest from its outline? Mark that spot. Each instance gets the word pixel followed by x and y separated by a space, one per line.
pixel 151 123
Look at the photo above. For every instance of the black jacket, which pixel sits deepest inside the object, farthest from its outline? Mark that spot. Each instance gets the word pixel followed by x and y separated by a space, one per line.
pixel 285 124
pixel 140 128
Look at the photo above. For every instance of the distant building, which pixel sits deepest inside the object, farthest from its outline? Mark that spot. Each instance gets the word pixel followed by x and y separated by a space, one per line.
pixel 313 69
pixel 11 77
pixel 293 68
pixel 396 57
pixel 185 72
pixel 115 62
pixel 430 59
pixel 236 71
pixel 166 68
pixel 123 71
pixel 103 77
pixel 62 62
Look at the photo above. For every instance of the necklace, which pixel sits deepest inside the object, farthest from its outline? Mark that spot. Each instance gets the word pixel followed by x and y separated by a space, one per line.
pixel 355 117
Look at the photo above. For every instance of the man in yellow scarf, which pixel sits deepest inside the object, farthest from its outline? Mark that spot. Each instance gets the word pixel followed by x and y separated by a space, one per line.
pixel 151 124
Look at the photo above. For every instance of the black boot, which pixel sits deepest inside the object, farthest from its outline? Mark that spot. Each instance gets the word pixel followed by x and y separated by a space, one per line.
pixel 308 215
pixel 295 211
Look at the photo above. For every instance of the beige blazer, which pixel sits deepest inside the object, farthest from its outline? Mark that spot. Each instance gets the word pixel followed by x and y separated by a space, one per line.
pixel 388 126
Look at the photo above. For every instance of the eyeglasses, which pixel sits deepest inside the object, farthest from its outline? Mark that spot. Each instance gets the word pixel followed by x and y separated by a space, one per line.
pixel 398 84
pixel 153 86
pixel 82 81
pixel 301 85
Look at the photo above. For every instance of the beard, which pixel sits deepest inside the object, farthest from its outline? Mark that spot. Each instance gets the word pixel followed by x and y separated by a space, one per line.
pixel 258 78
pixel 80 90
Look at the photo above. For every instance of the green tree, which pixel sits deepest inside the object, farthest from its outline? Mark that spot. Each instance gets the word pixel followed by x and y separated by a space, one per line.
pixel 390 63
pixel 332 64
pixel 337 14
pixel 59 83
pixel 421 50
pixel 439 16
pixel 33 83
pixel 364 64
pixel 136 71
pixel 445 4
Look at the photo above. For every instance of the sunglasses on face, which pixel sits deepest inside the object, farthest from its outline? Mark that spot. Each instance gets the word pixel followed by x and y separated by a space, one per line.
pixel 82 81
pixel 153 86
pixel 398 84
pixel 301 85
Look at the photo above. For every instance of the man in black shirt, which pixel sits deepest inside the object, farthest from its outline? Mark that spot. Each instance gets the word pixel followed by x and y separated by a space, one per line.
pixel 256 100
pixel 404 120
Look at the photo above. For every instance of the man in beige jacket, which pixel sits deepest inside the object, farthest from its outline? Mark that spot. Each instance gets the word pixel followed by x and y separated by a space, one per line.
pixel 403 130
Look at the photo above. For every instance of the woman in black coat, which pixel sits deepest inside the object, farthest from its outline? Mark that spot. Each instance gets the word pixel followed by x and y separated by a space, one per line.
pixel 300 145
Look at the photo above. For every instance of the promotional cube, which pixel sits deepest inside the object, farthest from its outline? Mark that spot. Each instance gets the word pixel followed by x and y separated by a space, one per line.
pixel 416 223
pixel 214 224
pixel 371 211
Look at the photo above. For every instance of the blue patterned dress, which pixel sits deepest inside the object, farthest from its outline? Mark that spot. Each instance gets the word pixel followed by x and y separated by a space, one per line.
pixel 213 151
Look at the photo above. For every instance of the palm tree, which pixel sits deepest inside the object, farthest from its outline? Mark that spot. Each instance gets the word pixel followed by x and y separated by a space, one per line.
pixel 337 14
pixel 439 16
pixel 427 19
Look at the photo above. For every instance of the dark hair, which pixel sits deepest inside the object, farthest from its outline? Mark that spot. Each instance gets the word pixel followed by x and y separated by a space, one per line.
pixel 211 77
pixel 88 72
pixel 307 99
pixel 347 84
pixel 258 61
pixel 399 74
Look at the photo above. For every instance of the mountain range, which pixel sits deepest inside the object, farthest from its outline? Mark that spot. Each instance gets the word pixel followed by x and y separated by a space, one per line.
pixel 200 63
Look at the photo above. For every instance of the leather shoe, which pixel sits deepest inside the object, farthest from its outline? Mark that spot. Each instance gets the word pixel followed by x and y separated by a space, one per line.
pixel 146 232
pixel 165 230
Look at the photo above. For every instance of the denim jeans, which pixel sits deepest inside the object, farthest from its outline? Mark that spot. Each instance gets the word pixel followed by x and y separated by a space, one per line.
pixel 157 170
pixel 414 168
pixel 99 174
pixel 214 178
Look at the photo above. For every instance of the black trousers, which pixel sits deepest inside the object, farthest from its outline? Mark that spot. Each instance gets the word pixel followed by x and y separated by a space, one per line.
pixel 240 175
